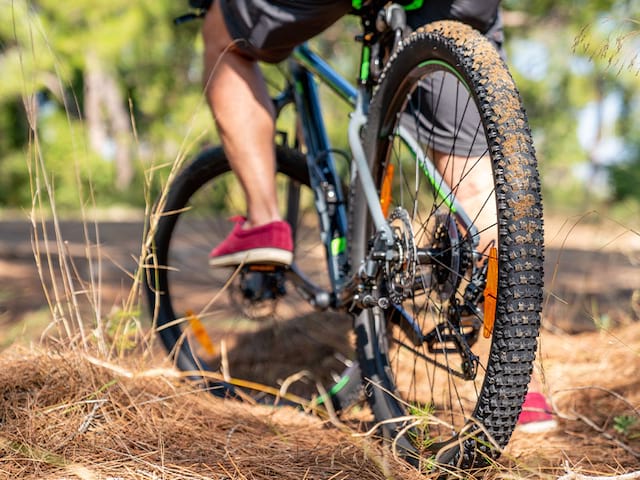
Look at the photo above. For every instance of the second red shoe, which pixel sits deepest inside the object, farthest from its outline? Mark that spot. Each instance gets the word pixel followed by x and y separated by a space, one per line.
pixel 536 416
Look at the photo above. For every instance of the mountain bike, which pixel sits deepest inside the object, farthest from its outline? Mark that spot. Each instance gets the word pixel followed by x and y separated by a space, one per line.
pixel 387 255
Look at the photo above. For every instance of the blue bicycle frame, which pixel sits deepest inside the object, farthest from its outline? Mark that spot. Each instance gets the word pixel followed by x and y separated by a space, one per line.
pixel 323 176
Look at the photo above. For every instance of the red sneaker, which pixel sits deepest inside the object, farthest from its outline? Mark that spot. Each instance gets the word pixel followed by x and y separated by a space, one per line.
pixel 266 244
pixel 536 415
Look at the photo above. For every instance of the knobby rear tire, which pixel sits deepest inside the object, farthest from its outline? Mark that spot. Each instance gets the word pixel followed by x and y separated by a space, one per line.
pixel 455 48
pixel 206 167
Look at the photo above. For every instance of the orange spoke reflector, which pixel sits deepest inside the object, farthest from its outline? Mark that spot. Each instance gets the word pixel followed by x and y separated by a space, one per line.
pixel 200 333
pixel 491 293
pixel 385 191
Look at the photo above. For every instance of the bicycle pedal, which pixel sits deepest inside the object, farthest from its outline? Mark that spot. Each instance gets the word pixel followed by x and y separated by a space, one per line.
pixel 262 282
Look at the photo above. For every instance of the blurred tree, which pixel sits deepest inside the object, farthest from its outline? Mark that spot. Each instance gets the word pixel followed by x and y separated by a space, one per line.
pixel 574 62
pixel 116 88
pixel 96 71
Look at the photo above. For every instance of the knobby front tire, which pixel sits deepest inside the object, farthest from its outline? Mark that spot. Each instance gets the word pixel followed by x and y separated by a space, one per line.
pixel 228 339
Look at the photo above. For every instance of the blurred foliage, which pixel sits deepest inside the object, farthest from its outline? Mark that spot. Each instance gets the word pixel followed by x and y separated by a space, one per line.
pixel 568 58
pixel 575 64
pixel 45 48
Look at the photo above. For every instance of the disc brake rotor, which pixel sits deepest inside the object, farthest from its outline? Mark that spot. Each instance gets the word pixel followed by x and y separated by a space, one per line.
pixel 402 271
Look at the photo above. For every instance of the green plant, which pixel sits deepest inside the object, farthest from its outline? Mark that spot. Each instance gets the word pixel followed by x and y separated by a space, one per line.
pixel 627 425
pixel 423 415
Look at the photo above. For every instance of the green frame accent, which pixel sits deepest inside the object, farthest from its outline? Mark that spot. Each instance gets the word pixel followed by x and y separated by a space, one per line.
pixel 448 67
pixel 414 5
pixel 334 390
pixel 447 199
pixel 365 63
pixel 338 246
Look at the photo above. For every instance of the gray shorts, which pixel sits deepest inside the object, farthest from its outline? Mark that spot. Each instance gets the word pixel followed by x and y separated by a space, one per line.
pixel 443 117
pixel 268 30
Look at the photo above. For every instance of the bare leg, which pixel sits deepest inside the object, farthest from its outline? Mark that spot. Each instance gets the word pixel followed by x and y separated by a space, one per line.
pixel 237 94
pixel 472 183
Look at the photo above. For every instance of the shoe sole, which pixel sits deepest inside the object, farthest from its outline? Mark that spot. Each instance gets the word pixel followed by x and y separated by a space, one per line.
pixel 263 256
pixel 538 427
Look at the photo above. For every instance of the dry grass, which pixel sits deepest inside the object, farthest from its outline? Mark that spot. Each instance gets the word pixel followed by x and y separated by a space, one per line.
pixel 593 381
pixel 65 416
pixel 86 406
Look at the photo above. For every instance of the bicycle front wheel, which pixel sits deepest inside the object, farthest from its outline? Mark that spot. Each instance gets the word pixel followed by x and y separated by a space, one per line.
pixel 244 331
pixel 450 151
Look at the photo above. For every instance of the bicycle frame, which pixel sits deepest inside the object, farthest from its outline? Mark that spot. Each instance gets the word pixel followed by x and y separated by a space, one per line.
pixel 323 176
pixel 308 63
pixel 307 67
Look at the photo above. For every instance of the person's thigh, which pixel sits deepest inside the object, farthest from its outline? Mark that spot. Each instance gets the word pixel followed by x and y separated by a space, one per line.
pixel 267 30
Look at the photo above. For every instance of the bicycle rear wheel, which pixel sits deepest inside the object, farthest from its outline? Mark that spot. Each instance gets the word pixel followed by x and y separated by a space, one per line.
pixel 455 394
pixel 244 331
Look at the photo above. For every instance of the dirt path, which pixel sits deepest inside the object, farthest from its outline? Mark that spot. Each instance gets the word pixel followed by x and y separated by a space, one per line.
pixel 591 271
pixel 24 311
